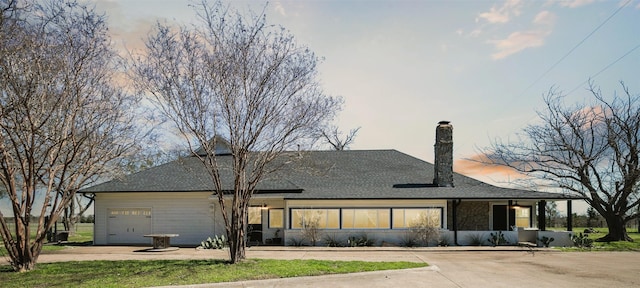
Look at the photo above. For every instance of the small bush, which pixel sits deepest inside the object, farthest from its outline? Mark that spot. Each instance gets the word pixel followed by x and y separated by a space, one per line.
pixel 546 241
pixel 215 243
pixel 427 228
pixel 297 242
pixel 475 239
pixel 332 241
pixel 444 241
pixel 361 241
pixel 582 241
pixel 497 239
pixel 408 239
pixel 311 230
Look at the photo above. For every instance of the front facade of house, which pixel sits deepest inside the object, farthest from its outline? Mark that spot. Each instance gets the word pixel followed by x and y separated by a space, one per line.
pixel 377 193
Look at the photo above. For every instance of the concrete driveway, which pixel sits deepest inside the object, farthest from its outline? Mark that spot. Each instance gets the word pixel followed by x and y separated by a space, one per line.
pixel 449 266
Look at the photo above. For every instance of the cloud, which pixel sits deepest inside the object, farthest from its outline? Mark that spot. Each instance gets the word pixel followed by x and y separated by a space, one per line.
pixel 545 18
pixel 517 41
pixel 575 3
pixel 502 14
pixel 476 166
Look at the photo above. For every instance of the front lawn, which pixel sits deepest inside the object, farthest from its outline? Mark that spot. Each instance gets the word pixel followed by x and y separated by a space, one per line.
pixel 180 272
pixel 610 246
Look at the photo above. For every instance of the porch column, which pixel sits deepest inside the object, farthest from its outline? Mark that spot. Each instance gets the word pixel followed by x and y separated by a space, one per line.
pixel 542 217
pixel 509 205
pixel 569 216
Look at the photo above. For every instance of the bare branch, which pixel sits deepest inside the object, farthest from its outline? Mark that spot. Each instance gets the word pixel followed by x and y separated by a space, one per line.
pixel 591 149
pixel 235 81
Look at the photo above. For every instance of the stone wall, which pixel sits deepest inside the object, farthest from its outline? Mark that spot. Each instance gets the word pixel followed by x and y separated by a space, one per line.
pixel 472 215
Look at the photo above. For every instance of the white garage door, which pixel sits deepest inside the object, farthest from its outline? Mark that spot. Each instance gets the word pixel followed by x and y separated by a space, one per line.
pixel 129 225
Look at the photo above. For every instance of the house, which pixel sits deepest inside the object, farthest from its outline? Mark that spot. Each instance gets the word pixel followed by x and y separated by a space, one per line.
pixel 348 193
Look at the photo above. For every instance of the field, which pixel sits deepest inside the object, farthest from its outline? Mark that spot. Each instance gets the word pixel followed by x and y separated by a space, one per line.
pixel 610 246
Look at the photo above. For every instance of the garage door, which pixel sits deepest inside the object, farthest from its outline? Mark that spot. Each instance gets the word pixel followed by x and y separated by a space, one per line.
pixel 129 225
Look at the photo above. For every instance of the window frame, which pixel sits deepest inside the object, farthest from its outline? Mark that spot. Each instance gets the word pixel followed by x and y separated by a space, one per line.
pixel 325 227
pixel 405 227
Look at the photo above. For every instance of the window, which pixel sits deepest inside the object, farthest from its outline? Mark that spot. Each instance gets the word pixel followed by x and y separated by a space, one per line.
pixel 276 218
pixel 523 216
pixel 406 218
pixel 255 215
pixel 366 218
pixel 325 218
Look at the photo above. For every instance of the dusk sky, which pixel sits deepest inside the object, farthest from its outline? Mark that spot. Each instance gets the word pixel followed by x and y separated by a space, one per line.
pixel 402 66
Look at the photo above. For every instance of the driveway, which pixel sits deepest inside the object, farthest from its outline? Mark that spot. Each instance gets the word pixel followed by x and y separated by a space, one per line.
pixel 449 267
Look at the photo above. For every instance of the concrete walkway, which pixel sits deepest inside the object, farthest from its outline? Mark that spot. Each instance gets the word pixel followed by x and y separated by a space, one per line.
pixel 449 266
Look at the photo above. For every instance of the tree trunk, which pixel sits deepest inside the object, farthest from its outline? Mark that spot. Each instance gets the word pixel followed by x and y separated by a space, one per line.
pixel 237 237
pixel 617 229
pixel 23 254
pixel 26 263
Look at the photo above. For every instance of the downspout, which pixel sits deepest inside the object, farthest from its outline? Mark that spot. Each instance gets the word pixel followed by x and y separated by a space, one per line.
pixel 456 203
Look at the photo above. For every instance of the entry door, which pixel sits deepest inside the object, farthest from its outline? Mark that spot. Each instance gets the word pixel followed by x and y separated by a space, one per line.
pixel 501 220
pixel 129 225
pixel 254 226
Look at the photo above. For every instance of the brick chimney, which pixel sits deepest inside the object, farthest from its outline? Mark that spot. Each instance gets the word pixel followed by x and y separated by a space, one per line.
pixel 443 170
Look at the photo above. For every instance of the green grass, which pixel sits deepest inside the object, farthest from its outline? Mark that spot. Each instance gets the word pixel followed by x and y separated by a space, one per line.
pixel 83 235
pixel 180 272
pixel 609 246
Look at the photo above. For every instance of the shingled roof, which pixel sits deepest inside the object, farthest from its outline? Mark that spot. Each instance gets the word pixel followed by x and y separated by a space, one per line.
pixel 347 174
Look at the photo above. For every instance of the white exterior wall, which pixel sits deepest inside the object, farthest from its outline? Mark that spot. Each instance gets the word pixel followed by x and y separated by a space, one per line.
pixel 561 238
pixel 185 213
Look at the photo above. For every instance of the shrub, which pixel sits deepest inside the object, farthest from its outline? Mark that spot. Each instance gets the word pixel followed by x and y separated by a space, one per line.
pixel 215 243
pixel 582 241
pixel 360 241
pixel 427 228
pixel 497 239
pixel 408 239
pixel 332 241
pixel 311 230
pixel 475 239
pixel 444 241
pixel 546 240
pixel 296 242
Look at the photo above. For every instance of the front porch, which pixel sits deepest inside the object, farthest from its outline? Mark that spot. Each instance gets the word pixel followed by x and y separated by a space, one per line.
pixel 463 222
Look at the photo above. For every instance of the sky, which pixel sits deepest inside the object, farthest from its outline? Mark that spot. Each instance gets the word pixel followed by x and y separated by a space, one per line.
pixel 403 66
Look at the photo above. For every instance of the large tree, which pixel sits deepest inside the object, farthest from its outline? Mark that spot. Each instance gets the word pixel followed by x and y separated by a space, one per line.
pixel 63 120
pixel 589 149
pixel 234 77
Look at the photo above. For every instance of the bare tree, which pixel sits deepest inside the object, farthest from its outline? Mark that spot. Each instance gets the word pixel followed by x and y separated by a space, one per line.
pixel 336 139
pixel 129 163
pixel 63 122
pixel 235 78
pixel 591 150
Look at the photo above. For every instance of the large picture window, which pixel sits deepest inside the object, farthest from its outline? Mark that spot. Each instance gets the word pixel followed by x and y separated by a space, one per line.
pixel 410 217
pixel 325 218
pixel 366 219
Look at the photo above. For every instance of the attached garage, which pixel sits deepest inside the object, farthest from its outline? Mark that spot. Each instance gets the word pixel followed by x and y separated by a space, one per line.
pixel 124 218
